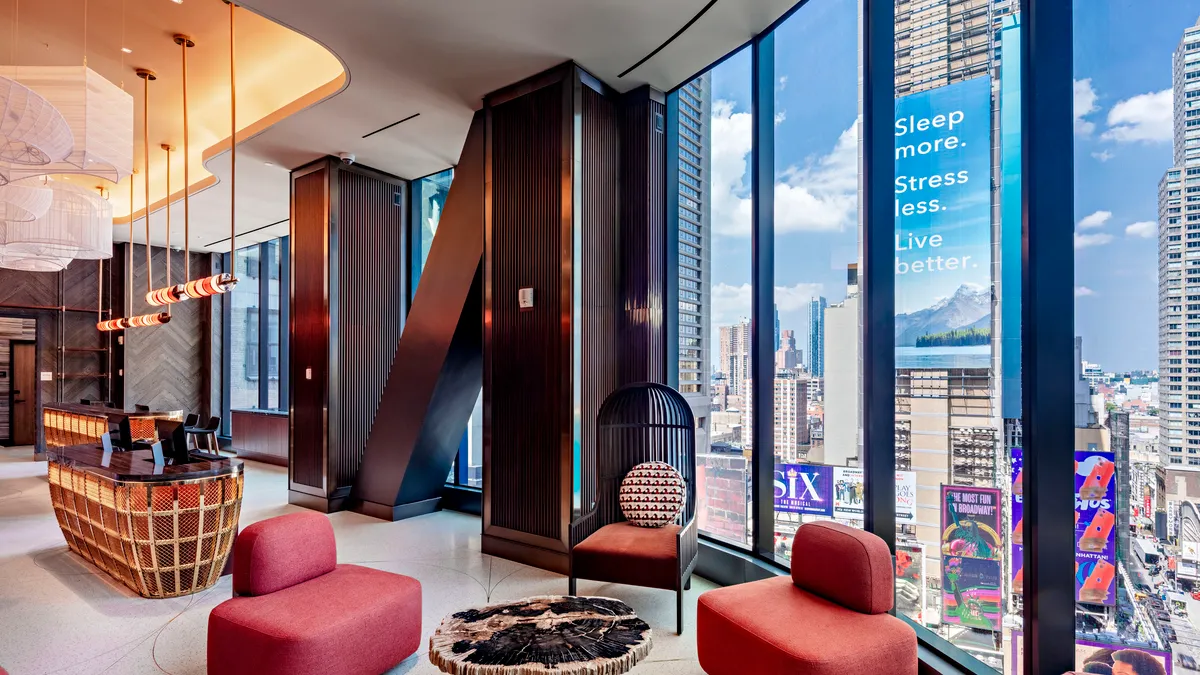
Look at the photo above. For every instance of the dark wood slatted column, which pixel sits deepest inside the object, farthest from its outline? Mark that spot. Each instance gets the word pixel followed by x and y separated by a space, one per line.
pixel 346 313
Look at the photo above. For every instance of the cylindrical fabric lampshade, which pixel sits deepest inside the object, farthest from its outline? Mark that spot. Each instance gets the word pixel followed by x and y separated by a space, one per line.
pixel 33 133
pixel 27 262
pixel 23 203
pixel 77 225
pixel 98 113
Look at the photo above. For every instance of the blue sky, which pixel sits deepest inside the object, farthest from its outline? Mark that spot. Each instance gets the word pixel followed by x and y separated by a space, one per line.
pixel 1122 147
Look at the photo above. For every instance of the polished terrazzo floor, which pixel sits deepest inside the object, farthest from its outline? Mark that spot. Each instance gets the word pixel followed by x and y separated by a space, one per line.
pixel 60 615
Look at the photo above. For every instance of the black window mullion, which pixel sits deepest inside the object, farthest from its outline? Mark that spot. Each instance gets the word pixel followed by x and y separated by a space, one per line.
pixel 762 350
pixel 1048 349
pixel 877 278
pixel 671 249
pixel 285 303
pixel 264 326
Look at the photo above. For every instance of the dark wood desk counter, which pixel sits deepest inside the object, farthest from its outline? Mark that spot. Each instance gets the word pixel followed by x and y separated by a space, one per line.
pixel 163 531
pixel 261 435
pixel 138 466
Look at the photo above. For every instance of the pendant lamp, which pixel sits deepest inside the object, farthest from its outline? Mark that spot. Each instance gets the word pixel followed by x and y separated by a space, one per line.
pixel 33 133
pixel 23 203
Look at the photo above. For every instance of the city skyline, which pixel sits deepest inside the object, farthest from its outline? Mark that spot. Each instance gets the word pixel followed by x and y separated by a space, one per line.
pixel 1122 146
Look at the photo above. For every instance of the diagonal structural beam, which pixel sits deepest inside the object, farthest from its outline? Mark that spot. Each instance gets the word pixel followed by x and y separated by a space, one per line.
pixel 438 371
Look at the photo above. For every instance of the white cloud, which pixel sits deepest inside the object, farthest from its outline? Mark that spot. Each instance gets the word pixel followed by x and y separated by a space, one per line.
pixel 1097 219
pixel 1145 229
pixel 820 195
pixel 796 298
pixel 783 82
pixel 1103 155
pixel 730 303
pixel 1083 291
pixel 1145 117
pixel 1086 240
pixel 731 142
pixel 780 117
pixel 733 302
pixel 1085 104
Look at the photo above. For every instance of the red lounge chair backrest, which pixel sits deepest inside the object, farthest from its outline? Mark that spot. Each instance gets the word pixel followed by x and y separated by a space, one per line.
pixel 844 565
pixel 280 552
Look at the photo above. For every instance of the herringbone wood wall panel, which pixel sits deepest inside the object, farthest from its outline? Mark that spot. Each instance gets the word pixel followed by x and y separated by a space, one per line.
pixel 165 364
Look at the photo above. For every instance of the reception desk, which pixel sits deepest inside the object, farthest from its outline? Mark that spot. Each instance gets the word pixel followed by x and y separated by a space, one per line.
pixel 73 423
pixel 163 531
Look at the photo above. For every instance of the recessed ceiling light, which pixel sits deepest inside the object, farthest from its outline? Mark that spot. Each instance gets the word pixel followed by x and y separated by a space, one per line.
pixel 127 50
pixel 178 2
pixel 268 164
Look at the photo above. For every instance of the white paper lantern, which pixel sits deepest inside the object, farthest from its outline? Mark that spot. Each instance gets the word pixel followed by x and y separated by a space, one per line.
pixel 23 203
pixel 33 133
pixel 97 112
pixel 26 262
pixel 77 225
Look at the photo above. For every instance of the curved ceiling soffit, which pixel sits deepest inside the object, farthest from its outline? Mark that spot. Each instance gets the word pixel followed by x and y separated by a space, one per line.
pixel 313 98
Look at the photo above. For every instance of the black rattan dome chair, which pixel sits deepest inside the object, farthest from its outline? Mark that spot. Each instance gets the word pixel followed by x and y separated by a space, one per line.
pixel 637 423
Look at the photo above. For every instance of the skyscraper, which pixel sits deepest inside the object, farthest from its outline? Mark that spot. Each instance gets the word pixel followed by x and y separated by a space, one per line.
pixel 816 336
pixel 735 356
pixel 791 416
pixel 1179 280
pixel 787 357
pixel 943 43
pixel 695 256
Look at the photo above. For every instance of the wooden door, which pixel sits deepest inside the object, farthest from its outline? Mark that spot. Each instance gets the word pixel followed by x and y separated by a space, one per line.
pixel 24 393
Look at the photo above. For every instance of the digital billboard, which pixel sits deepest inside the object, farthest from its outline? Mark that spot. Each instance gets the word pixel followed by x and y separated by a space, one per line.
pixel 972 550
pixel 804 488
pixel 1095 527
pixel 943 230
pixel 848 494
pixel 1016 521
pixel 1100 657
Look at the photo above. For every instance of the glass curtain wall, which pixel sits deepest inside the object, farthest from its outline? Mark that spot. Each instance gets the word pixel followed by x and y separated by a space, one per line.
pixel 712 213
pixel 870 229
pixel 1137 362
pixel 255 331
pixel 817 453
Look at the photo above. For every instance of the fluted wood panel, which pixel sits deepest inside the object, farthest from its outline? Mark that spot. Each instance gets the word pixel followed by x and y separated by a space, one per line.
pixel 370 309
pixel 527 357
pixel 165 365
pixel 598 264
pixel 643 237
pixel 309 336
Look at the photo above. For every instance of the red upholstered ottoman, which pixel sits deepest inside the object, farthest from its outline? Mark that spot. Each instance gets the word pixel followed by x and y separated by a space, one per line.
pixel 829 618
pixel 297 611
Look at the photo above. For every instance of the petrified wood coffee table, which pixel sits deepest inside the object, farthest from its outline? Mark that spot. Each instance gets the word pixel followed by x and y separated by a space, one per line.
pixel 547 634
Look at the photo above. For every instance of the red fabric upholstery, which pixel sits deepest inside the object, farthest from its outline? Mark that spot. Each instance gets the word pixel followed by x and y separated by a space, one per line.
pixel 774 627
pixel 300 613
pixel 848 566
pixel 352 621
pixel 280 552
pixel 625 553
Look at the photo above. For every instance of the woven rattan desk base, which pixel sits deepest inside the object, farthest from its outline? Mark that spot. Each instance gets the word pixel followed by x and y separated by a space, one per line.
pixel 161 539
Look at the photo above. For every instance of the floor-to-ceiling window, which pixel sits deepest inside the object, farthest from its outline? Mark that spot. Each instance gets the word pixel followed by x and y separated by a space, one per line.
pixel 712 126
pixel 255 334
pixel 816 394
pixel 1137 324
pixel 872 218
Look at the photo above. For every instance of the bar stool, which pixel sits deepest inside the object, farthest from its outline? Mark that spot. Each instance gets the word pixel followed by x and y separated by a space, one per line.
pixel 190 422
pixel 138 407
pixel 208 432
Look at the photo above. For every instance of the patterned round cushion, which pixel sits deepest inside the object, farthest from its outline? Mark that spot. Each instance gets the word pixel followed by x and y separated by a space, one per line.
pixel 652 494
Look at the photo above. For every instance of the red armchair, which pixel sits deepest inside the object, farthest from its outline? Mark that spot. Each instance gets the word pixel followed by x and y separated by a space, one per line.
pixel 829 618
pixel 296 611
